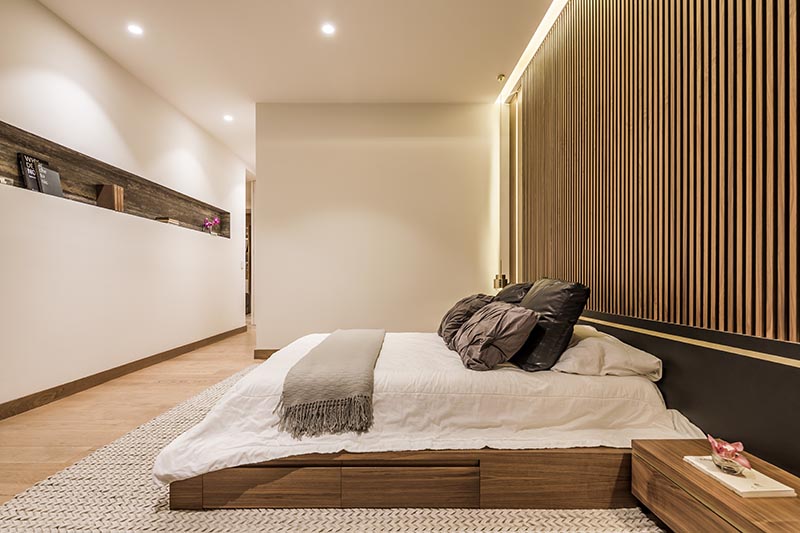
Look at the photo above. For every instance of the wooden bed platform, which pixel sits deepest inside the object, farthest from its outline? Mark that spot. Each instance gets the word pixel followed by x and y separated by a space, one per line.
pixel 577 478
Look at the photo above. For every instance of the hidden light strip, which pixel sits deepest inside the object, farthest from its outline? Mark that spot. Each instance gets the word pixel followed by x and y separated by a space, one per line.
pixel 541 32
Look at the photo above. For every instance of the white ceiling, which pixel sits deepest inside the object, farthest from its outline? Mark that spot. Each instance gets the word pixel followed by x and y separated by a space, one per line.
pixel 216 57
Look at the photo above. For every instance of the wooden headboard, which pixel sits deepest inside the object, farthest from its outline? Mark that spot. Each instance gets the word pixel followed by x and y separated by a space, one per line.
pixel 732 386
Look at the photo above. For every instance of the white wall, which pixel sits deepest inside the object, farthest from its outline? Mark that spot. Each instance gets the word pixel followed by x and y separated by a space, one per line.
pixel 84 289
pixel 371 215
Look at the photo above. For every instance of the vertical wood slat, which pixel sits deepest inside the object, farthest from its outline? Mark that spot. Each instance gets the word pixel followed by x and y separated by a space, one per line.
pixel 721 177
pixel 660 159
pixel 659 151
pixel 691 159
pixel 769 170
pixel 706 158
pixel 685 23
pixel 740 189
pixel 780 325
pixel 792 128
pixel 698 270
pixel 630 57
pixel 760 79
pixel 749 165
pixel 730 223
pixel 638 166
pixel 674 211
pixel 649 222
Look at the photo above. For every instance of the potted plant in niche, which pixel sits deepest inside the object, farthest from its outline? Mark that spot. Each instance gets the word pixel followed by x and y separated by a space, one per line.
pixel 211 225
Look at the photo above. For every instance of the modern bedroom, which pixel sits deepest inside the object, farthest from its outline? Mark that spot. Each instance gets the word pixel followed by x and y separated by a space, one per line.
pixel 451 265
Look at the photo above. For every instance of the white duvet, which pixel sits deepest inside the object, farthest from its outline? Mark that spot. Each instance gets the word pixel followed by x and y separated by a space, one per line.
pixel 424 399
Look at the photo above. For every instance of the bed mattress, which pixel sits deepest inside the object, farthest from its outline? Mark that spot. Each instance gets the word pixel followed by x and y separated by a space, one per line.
pixel 424 399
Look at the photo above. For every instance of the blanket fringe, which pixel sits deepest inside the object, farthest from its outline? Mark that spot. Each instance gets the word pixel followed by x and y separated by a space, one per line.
pixel 326 416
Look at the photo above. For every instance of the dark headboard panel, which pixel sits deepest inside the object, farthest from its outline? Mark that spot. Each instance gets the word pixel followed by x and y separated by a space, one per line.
pixel 732 386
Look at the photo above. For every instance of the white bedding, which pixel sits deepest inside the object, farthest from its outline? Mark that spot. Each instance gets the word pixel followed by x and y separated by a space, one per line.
pixel 424 398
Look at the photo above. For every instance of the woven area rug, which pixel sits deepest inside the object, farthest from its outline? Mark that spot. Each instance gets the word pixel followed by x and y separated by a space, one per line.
pixel 112 490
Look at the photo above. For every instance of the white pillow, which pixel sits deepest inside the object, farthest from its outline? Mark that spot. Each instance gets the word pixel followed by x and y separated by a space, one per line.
pixel 593 353
pixel 581 332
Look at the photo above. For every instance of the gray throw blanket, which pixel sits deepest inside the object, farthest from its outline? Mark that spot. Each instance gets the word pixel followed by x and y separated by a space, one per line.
pixel 329 390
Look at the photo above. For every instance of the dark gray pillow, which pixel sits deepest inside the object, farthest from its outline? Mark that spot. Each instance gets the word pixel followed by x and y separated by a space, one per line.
pixel 513 294
pixel 559 305
pixel 493 335
pixel 459 314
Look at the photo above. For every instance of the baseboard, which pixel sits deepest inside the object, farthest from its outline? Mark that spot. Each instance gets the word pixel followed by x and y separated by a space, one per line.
pixel 37 399
pixel 263 354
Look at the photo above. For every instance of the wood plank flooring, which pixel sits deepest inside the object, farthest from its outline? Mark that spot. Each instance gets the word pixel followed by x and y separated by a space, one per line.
pixel 40 442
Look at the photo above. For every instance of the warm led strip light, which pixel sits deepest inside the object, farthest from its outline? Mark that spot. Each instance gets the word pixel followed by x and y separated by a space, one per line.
pixel 703 344
pixel 541 32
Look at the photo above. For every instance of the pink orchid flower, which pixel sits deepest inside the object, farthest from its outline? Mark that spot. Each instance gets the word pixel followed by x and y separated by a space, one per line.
pixel 729 451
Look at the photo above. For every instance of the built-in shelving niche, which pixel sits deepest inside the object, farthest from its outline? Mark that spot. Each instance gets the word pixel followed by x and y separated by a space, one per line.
pixel 81 175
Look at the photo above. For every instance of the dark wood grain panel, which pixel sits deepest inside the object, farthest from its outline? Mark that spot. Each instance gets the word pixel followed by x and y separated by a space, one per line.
pixel 679 510
pixel 659 161
pixel 744 514
pixel 569 479
pixel 81 175
pixel 186 494
pixel 276 487
pixel 557 479
pixel 403 486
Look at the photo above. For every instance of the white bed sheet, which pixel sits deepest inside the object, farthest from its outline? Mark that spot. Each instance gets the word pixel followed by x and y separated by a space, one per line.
pixel 424 399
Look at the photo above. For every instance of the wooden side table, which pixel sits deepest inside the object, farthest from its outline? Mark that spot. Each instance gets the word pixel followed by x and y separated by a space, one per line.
pixel 688 500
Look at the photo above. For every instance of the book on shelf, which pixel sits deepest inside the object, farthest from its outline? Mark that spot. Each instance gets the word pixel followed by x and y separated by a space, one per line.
pixel 30 170
pixel 168 220
pixel 50 182
pixel 748 484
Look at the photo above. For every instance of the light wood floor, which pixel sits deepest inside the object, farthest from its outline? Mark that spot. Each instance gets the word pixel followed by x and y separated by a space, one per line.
pixel 40 442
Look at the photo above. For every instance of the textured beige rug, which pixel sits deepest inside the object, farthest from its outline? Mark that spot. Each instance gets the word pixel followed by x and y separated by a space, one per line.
pixel 111 490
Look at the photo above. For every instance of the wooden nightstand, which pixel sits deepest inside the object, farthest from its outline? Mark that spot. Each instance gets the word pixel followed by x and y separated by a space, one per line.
pixel 689 500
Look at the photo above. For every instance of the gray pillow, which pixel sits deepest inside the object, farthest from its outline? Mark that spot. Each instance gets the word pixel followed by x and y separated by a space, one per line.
pixel 459 314
pixel 493 335
pixel 513 294
pixel 559 305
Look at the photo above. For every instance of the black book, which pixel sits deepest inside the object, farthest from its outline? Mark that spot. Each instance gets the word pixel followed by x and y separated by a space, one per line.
pixel 30 169
pixel 50 181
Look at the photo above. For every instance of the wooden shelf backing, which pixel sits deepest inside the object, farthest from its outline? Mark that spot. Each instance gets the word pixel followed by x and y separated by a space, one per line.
pixel 87 180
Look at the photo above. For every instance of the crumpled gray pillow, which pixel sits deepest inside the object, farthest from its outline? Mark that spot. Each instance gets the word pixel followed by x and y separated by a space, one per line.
pixel 513 294
pixel 494 334
pixel 459 314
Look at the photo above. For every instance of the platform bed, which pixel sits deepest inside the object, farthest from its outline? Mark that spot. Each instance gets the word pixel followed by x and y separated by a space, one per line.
pixel 577 478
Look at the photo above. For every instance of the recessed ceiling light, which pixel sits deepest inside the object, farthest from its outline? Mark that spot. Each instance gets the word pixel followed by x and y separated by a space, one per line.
pixel 227 118
pixel 328 28
pixel 135 29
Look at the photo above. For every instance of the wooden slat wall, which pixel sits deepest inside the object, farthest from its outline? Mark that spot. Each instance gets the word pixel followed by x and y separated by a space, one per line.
pixel 659 161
